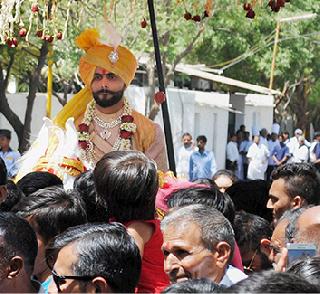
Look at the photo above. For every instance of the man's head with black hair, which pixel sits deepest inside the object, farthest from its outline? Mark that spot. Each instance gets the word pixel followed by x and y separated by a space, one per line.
pixel 103 258
pixel 273 282
pixel 36 180
pixel 18 250
pixel 252 234
pixel 293 185
pixel 208 196
pixel 50 212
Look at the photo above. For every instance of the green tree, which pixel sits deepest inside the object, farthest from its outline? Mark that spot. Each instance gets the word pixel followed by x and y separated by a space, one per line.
pixel 243 49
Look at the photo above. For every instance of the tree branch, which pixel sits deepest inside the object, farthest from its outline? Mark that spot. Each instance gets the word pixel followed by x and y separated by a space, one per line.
pixel 6 80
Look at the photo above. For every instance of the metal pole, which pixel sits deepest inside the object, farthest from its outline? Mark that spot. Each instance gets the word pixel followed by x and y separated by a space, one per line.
pixel 164 106
pixel 49 82
pixel 274 54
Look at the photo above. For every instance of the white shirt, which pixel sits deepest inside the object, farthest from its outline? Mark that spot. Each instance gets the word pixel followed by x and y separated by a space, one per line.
pixel 301 154
pixel 258 155
pixel 232 276
pixel 183 162
pixel 232 151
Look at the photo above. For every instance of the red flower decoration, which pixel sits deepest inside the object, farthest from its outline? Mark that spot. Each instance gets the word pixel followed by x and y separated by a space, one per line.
pixel 125 134
pixel 83 144
pixel 127 118
pixel 160 97
pixel 83 127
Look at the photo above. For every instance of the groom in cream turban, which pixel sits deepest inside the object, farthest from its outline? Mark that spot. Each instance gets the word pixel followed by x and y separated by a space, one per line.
pixel 103 116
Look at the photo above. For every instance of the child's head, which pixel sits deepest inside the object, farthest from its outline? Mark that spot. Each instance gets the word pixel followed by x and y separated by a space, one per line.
pixel 128 183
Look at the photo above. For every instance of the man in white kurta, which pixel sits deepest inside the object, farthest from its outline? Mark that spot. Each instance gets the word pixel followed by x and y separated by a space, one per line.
pixel 184 154
pixel 258 160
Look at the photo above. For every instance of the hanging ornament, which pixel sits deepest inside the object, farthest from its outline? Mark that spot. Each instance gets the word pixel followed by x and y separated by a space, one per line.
pixel 143 23
pixel 23 32
pixel 160 97
pixel 196 18
pixel 187 15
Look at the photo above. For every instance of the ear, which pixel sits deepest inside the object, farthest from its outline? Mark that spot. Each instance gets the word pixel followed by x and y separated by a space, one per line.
pixel 15 267
pixel 223 252
pixel 265 246
pixel 297 202
pixel 99 285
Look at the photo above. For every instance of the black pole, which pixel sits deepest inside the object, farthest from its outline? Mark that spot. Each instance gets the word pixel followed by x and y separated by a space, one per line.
pixel 164 106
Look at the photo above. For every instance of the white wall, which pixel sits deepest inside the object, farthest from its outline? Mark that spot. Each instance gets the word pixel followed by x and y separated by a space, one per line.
pixel 199 113
pixel 258 112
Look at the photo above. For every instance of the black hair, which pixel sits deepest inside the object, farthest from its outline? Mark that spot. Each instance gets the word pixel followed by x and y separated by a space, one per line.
pixel 204 181
pixel 85 186
pixel 127 181
pixel 194 286
pixel 36 180
pixel 300 179
pixel 207 196
pixel 104 250
pixel 17 238
pixel 225 172
pixel 13 197
pixel 3 173
pixel 249 229
pixel 291 216
pixel 273 282
pixel 307 268
pixel 5 133
pixel 251 196
pixel 53 210
pixel 202 138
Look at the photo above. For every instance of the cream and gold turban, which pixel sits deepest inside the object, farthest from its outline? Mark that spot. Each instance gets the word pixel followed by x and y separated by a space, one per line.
pixel 97 54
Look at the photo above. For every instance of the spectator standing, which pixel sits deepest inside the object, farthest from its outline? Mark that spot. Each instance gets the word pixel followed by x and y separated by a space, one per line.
pixel 280 154
pixel 184 154
pixel 302 153
pixel 9 156
pixel 232 154
pixel 258 159
pixel 315 151
pixel 273 144
pixel 243 150
pixel 202 162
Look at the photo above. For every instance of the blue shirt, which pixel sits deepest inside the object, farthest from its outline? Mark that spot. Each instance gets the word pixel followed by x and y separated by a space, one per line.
pixel 280 152
pixel 202 165
pixel 272 145
pixel 10 157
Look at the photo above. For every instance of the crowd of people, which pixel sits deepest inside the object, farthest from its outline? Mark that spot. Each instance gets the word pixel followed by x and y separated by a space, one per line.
pixel 248 159
pixel 113 220
pixel 107 235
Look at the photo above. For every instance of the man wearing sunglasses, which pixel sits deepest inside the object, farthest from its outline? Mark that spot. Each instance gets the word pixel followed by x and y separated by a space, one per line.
pixel 18 251
pixel 94 258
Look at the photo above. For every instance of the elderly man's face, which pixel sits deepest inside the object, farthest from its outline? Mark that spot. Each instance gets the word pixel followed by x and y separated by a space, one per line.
pixel 107 88
pixel 185 256
pixel 278 240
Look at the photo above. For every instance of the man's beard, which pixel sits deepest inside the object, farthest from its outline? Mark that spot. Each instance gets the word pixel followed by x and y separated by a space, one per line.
pixel 108 101
pixel 187 145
